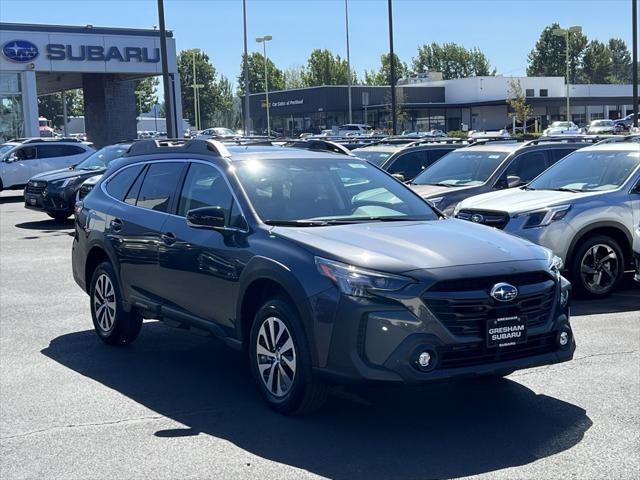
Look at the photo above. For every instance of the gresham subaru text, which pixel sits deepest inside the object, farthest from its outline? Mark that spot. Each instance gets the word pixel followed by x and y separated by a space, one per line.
pixel 291 256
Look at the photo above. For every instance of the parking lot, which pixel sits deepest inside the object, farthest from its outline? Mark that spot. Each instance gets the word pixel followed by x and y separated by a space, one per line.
pixel 177 405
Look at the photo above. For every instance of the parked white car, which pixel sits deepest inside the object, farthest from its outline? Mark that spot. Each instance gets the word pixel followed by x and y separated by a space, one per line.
pixel 22 159
pixel 562 128
pixel 603 127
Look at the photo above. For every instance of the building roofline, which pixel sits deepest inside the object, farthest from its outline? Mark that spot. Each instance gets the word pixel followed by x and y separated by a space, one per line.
pixel 36 27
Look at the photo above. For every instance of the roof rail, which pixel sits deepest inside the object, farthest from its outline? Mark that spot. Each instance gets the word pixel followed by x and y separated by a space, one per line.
pixel 482 140
pixel 317 144
pixel 565 139
pixel 634 137
pixel 178 145
pixel 445 140
pixel 46 140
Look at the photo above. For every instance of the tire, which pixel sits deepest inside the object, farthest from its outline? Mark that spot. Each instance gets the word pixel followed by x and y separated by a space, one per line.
pixel 283 371
pixel 112 323
pixel 597 267
pixel 59 216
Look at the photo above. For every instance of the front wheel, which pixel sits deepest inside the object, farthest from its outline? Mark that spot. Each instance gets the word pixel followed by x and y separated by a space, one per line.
pixel 280 360
pixel 112 323
pixel 597 266
pixel 59 216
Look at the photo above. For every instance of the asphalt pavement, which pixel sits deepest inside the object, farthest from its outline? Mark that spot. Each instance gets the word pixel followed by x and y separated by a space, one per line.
pixel 175 405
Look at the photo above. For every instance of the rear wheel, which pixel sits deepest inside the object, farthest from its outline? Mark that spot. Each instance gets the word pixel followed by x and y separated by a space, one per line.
pixel 280 360
pixel 597 266
pixel 112 323
pixel 59 216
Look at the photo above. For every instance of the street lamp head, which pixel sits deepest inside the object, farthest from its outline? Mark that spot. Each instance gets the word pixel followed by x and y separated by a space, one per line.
pixel 264 38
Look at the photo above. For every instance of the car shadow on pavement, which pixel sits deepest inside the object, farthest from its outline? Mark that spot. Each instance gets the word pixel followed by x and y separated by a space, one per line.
pixel 625 299
pixel 11 199
pixel 446 430
pixel 47 225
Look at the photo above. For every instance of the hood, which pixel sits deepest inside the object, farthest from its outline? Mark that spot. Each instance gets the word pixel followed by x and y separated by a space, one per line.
pixel 517 200
pixel 432 191
pixel 63 173
pixel 601 129
pixel 403 246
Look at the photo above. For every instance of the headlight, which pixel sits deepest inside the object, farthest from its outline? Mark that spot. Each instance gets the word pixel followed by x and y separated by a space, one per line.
pixel 542 218
pixel 555 265
pixel 65 182
pixel 359 282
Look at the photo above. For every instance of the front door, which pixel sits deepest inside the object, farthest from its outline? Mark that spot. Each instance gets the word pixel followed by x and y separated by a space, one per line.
pixel 19 166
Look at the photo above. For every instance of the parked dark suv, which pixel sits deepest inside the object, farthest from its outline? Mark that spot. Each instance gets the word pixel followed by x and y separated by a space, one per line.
pixel 287 254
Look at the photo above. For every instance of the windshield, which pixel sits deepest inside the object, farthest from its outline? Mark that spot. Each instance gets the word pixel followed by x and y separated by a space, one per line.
pixel 461 168
pixel 310 192
pixel 7 147
pixel 561 124
pixel 376 157
pixel 100 159
pixel 589 171
pixel 602 123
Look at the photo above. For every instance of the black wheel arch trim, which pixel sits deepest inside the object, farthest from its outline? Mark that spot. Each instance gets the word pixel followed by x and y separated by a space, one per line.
pixel 580 235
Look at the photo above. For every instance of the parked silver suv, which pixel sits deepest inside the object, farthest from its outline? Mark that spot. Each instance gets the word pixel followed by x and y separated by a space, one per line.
pixel 585 208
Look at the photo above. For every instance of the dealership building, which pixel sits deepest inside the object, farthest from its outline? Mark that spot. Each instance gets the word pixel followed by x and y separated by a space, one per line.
pixel 104 62
pixel 476 103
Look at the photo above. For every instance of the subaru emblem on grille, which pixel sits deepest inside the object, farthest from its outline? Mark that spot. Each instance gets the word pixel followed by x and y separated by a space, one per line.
pixel 477 218
pixel 504 292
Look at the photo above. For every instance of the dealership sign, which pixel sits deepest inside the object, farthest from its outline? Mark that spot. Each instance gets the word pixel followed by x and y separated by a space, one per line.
pixel 25 51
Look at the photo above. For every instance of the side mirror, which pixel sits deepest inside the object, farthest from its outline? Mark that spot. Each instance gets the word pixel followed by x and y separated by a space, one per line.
pixel 514 181
pixel 11 158
pixel 399 176
pixel 206 217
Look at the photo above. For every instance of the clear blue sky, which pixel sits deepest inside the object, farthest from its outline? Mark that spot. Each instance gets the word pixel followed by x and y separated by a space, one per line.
pixel 505 30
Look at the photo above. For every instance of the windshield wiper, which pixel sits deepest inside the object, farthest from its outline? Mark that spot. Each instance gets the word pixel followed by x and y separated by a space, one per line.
pixel 297 223
pixel 562 189
pixel 441 184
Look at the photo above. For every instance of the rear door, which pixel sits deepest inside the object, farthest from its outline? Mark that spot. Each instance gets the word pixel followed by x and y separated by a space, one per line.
pixel 58 156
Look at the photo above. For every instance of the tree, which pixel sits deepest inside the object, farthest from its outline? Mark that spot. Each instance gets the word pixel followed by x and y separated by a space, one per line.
pixel 226 115
pixel 453 60
pixel 256 75
pixel 323 68
pixel 146 94
pixel 293 77
pixel 210 94
pixel 596 63
pixel 548 58
pixel 383 75
pixel 50 106
pixel 620 61
pixel 518 103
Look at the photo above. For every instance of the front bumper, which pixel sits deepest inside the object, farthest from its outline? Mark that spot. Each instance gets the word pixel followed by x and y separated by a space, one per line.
pixel 381 342
pixel 636 257
pixel 50 201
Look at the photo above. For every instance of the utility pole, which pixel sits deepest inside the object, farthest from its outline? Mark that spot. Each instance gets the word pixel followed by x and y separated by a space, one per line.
pixel 196 96
pixel 247 115
pixel 168 104
pixel 634 36
pixel 392 63
pixel 346 20
pixel 263 40
pixel 565 32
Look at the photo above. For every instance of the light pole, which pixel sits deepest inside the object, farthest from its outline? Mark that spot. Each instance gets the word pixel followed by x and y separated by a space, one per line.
pixel 346 20
pixel 196 95
pixel 565 32
pixel 247 115
pixel 168 103
pixel 392 64
pixel 263 40
pixel 634 36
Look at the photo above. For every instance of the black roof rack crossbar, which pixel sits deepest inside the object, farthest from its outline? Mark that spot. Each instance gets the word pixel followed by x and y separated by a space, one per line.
pixel 565 139
pixel 178 145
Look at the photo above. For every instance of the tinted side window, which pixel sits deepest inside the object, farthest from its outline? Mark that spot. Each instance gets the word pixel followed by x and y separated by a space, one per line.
pixel 131 196
pixel 26 153
pixel 159 186
pixel 121 181
pixel 50 151
pixel 409 164
pixel 71 150
pixel 204 186
pixel 558 153
pixel 528 166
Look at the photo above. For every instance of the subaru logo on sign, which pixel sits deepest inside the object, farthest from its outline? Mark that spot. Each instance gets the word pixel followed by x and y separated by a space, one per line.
pixel 20 51
pixel 504 292
pixel 477 218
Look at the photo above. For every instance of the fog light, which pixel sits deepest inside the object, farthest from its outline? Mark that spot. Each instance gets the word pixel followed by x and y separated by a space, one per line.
pixel 424 359
pixel 563 338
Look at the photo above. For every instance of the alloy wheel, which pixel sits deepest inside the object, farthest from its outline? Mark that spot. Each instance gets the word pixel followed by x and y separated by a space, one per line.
pixel 104 303
pixel 276 356
pixel 599 268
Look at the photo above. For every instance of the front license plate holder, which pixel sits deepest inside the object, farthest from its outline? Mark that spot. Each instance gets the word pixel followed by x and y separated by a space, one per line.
pixel 506 331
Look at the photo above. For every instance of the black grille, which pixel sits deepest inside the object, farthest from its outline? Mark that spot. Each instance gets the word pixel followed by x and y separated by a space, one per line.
pixel 485 217
pixel 478 354
pixel 35 188
pixel 465 306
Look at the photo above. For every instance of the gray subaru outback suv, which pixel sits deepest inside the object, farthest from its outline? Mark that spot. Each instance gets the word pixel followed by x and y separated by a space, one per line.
pixel 585 208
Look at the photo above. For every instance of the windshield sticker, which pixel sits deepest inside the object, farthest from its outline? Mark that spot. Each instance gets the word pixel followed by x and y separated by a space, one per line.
pixel 494 156
pixel 357 165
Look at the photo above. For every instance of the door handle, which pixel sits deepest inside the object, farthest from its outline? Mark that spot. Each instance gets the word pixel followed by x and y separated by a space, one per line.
pixel 168 238
pixel 116 224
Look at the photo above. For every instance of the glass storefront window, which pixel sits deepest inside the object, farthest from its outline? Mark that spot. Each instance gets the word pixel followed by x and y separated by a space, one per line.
pixel 11 113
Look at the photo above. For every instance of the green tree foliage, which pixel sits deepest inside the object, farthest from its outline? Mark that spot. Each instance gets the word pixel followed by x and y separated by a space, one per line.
pixel 213 103
pixel 146 94
pixel 383 75
pixel 293 77
pixel 256 75
pixel 325 68
pixel 50 106
pixel 518 103
pixel 229 114
pixel 548 58
pixel 453 60
pixel 596 63
pixel 620 61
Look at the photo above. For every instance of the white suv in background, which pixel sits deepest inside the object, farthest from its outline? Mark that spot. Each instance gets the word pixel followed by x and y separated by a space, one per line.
pixel 22 159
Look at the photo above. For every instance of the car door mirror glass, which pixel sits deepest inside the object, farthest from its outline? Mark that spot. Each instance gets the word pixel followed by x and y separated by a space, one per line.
pixel 399 176
pixel 206 217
